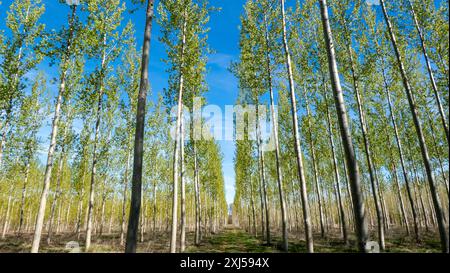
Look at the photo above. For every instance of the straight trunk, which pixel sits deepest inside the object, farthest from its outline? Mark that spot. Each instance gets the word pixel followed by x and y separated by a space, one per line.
pixel 94 152
pixel 315 172
pixel 23 197
pixel 399 194
pixel 197 195
pixel 135 205
pixel 173 238
pixel 301 175
pixel 262 174
pixel 352 165
pixel 8 209
pixel 51 149
pixel 252 202
pixel 402 161
pixel 337 180
pixel 183 191
pixel 277 146
pixel 367 151
pixel 55 199
pixel 124 201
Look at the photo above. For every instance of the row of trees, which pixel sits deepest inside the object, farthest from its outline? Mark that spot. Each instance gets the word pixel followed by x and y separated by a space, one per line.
pixel 99 140
pixel 378 158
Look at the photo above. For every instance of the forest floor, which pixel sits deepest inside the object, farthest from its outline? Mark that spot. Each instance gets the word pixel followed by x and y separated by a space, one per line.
pixel 229 240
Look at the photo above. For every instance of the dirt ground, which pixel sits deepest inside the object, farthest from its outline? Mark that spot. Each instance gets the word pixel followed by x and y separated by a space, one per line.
pixel 229 240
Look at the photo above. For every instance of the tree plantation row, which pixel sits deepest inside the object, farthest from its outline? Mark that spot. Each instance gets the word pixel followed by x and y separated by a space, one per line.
pixel 361 146
pixel 84 189
pixel 361 132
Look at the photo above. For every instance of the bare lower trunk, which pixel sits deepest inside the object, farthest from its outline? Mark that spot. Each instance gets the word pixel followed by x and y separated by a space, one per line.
pixel 368 154
pixel 95 154
pixel 263 233
pixel 262 174
pixel 183 190
pixel 197 195
pixel 402 161
pixel 111 216
pixel 102 214
pixel 400 197
pixel 277 146
pixel 8 209
pixel 173 240
pixel 337 180
pixel 55 199
pixel 135 205
pixel 352 165
pixel 301 175
pixel 252 203
pixel 315 172
pixel 124 201
pixel 51 149
pixel 23 197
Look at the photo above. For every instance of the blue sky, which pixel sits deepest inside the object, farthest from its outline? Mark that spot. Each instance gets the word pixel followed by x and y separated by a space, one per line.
pixel 223 39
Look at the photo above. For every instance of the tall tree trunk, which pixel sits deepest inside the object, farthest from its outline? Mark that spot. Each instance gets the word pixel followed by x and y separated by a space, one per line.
pixel 252 202
pixel 416 185
pixel 135 205
pixel 124 201
pixel 337 180
pixel 347 186
pixel 23 197
pixel 183 190
pixel 111 216
pixel 142 218
pixel 94 152
pixel 8 209
pixel 263 228
pixel 430 72
pixel 67 223
pixel 155 210
pixel 197 194
pixel 102 214
pixel 368 154
pixel 399 190
pixel 423 147
pixel 80 211
pixel 301 175
pixel 402 160
pixel 315 171
pixel 277 145
pixel 51 148
pixel 176 153
pixel 262 174
pixel 55 199
pixel 352 165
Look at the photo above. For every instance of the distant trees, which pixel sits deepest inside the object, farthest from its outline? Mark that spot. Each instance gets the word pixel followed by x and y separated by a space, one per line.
pixel 184 34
